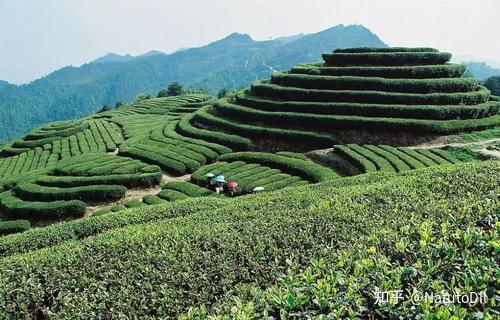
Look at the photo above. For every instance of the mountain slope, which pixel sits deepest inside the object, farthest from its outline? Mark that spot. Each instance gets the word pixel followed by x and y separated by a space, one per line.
pixel 3 83
pixel 232 62
pixel 481 70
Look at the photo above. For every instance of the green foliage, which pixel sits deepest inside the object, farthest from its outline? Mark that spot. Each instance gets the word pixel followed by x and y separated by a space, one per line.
pixel 14 226
pixel 359 161
pixel 152 199
pixel 223 93
pixel 443 85
pixel 493 84
pixel 409 160
pixel 174 89
pixel 397 72
pixel 462 154
pixel 17 208
pixel 229 140
pixel 305 169
pixel 133 180
pixel 187 188
pixel 133 203
pixel 117 207
pixel 263 89
pixel 395 162
pixel 311 121
pixel 172 195
pixel 205 117
pixel 35 192
pixel 230 253
pixel 386 58
pixel 73 92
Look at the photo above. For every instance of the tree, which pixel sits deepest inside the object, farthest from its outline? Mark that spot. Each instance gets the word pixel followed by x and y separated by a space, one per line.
pixel 174 89
pixel 493 84
pixel 118 104
pixel 142 96
pixel 162 93
pixel 222 93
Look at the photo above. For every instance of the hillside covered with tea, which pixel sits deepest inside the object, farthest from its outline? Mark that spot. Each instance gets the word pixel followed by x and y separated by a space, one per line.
pixel 299 197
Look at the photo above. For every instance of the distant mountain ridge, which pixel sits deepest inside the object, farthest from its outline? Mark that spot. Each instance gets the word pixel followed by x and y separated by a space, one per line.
pixel 113 57
pixel 232 62
pixel 481 70
pixel 3 83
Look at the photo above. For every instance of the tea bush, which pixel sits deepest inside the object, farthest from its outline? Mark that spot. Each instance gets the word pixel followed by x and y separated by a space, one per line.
pixel 228 255
pixel 14 226
pixel 386 58
pixel 397 72
pixel 305 169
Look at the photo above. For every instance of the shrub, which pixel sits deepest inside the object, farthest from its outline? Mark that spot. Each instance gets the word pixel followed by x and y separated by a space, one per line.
pixel 240 170
pixel 375 84
pixel 437 159
pixel 189 189
pixel 249 182
pixel 307 170
pixel 398 72
pixel 17 208
pixel 263 89
pixel 299 227
pixel 445 155
pixel 250 173
pixel 207 153
pixel 101 212
pixel 409 160
pixel 14 226
pixel 329 122
pixel 289 182
pixel 118 207
pixel 133 203
pixel 167 164
pixel 386 58
pixel 152 200
pixel 172 195
pixel 420 157
pixel 295 155
pixel 184 152
pixel 203 116
pixel 397 163
pixel 273 182
pixel 40 135
pixel 35 192
pixel 359 161
pixel 217 168
pixel 231 140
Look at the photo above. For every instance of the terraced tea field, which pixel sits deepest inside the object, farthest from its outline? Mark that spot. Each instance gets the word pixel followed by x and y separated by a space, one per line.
pixel 349 176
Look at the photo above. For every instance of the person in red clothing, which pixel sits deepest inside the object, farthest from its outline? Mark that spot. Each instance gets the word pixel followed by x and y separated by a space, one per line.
pixel 231 188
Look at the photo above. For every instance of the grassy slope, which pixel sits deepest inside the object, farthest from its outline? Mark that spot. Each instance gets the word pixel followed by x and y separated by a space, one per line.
pixel 236 248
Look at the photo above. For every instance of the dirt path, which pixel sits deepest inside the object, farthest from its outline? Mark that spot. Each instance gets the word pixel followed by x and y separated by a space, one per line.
pixel 491 153
pixel 136 194
pixel 454 144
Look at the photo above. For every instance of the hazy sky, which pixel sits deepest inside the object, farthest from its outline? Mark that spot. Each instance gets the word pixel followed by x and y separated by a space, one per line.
pixel 39 36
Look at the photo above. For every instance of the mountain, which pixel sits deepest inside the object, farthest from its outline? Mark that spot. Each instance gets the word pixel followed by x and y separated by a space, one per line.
pixel 3 83
pixel 481 70
pixel 113 57
pixel 232 62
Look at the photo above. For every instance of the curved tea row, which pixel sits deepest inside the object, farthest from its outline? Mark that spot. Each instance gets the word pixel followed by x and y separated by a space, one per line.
pixel 411 90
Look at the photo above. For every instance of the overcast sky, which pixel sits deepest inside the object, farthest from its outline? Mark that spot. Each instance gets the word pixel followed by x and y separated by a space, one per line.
pixel 37 37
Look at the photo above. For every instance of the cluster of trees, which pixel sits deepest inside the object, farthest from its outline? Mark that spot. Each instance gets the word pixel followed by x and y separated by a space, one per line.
pixel 172 90
pixel 493 84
